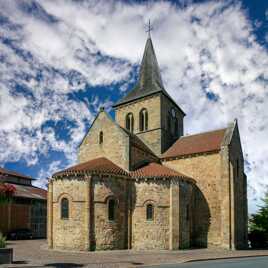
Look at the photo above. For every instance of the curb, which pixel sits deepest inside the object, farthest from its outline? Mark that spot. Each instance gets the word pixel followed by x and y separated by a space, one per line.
pixel 227 257
pixel 203 260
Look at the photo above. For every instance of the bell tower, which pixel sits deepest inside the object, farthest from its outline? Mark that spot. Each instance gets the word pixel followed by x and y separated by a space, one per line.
pixel 147 110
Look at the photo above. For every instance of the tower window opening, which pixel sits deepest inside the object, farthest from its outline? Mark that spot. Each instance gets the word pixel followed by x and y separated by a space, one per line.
pixel 143 119
pixel 130 122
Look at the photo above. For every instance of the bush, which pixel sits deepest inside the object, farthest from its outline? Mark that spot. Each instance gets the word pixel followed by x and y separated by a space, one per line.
pixel 258 226
pixel 258 239
pixel 3 242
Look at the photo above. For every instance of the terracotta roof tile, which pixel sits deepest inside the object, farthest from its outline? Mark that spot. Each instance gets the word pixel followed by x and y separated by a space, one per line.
pixel 198 143
pixel 29 191
pixel 98 165
pixel 4 171
pixel 155 170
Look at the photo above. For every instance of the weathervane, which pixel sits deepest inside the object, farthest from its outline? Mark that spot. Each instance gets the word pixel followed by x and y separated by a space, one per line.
pixel 149 29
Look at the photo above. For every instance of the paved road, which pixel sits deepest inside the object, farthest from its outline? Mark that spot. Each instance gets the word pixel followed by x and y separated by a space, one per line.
pixel 258 262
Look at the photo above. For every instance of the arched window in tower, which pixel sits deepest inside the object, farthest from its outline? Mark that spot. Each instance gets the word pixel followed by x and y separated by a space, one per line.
pixel 169 122
pixel 174 122
pixel 101 138
pixel 143 119
pixel 64 208
pixel 149 212
pixel 130 122
pixel 176 127
pixel 111 209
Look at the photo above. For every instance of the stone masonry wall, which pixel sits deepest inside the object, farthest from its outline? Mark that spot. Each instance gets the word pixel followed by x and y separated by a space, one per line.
pixel 239 191
pixel 206 170
pixel 69 233
pixel 168 137
pixel 151 234
pixel 115 144
pixel 138 157
pixel 151 137
pixel 110 234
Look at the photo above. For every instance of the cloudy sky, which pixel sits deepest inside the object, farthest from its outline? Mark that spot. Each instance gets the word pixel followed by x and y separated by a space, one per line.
pixel 60 60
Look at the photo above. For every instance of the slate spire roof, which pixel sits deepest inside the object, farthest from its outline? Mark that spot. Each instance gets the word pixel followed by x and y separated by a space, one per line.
pixel 150 81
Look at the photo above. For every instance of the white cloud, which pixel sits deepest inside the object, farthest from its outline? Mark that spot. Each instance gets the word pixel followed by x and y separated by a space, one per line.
pixel 45 174
pixel 202 48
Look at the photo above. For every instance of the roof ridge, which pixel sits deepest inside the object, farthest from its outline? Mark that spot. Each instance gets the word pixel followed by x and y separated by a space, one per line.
pixel 94 168
pixel 201 133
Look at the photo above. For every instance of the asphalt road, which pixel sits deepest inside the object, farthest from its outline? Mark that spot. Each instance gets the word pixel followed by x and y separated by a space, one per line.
pixel 256 262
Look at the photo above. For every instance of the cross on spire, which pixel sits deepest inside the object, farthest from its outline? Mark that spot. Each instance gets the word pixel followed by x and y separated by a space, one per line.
pixel 149 29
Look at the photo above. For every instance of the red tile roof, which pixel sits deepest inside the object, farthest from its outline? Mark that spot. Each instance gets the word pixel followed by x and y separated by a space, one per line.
pixel 198 143
pixel 98 165
pixel 29 191
pixel 103 165
pixel 7 172
pixel 154 170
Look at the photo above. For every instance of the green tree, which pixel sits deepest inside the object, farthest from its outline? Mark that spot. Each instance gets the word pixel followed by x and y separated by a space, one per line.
pixel 258 225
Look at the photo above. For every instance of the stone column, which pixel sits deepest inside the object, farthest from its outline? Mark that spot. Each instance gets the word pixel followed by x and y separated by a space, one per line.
pixel 87 213
pixel 50 214
pixel 174 215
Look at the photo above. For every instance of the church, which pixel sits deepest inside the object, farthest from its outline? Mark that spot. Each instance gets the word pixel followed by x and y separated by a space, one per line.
pixel 140 183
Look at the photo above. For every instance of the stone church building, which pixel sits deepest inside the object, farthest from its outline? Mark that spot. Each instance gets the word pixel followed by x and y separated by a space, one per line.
pixel 142 184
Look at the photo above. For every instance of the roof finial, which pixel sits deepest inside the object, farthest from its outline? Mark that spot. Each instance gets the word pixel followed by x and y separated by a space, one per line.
pixel 150 28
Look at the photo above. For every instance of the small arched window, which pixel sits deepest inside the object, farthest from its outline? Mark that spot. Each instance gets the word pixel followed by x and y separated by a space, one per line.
pixel 65 208
pixel 143 119
pixel 101 138
pixel 176 127
pixel 111 209
pixel 130 122
pixel 149 212
pixel 169 122
pixel 174 122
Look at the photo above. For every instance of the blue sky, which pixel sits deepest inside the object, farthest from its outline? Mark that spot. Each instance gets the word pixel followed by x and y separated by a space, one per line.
pixel 61 60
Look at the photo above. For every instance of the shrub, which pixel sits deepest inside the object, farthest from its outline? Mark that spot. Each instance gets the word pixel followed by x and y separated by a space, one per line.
pixel 258 226
pixel 3 242
pixel 258 239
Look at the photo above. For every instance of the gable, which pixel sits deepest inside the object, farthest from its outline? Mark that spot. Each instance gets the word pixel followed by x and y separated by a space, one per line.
pixel 115 145
pixel 235 147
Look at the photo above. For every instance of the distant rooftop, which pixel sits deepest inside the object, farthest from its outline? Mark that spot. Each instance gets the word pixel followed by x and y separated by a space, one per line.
pixel 11 173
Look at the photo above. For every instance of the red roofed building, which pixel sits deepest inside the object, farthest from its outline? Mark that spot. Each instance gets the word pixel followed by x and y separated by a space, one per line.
pixel 141 183
pixel 27 208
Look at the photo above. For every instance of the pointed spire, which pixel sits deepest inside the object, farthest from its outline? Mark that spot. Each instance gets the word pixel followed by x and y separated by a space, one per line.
pixel 149 71
pixel 150 80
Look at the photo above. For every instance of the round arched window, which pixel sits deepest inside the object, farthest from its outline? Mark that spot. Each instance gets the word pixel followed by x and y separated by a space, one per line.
pixel 64 208
pixel 130 122
pixel 143 119
pixel 111 209
pixel 101 138
pixel 149 212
